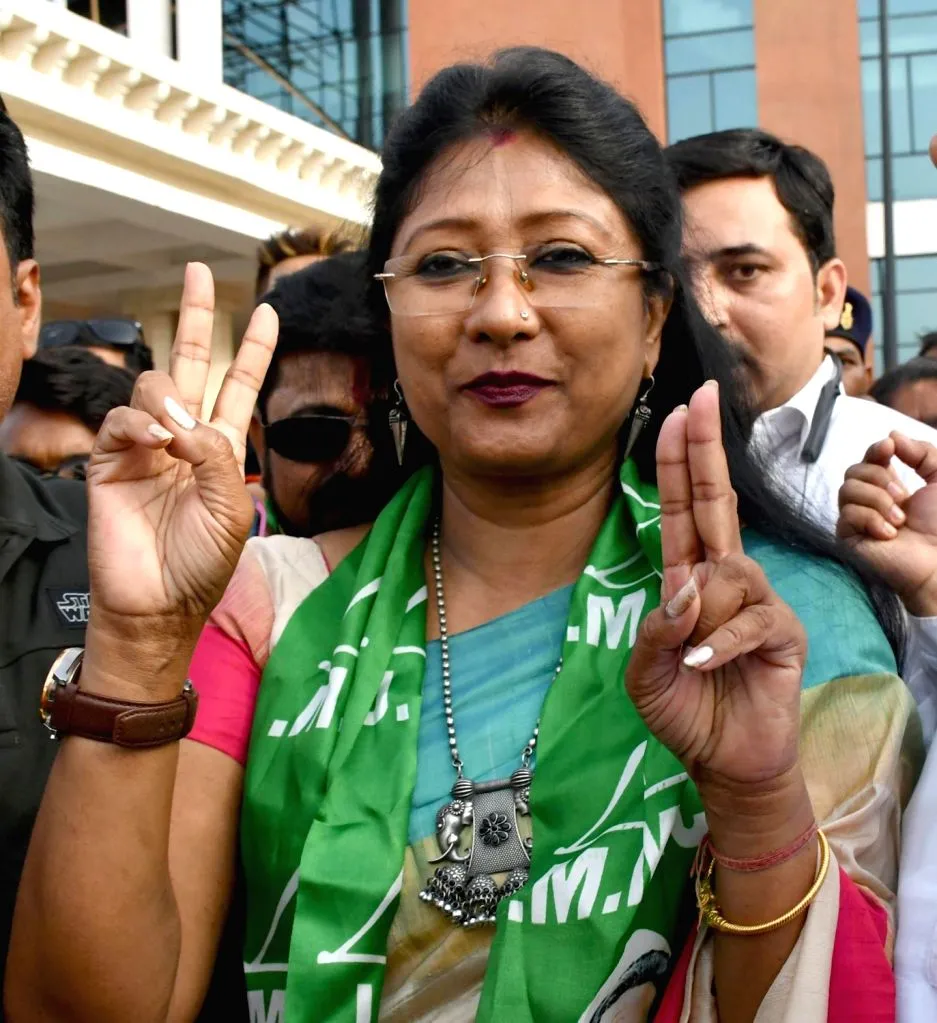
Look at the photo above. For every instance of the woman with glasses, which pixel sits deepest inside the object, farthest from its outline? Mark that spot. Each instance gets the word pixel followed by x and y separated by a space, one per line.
pixel 488 734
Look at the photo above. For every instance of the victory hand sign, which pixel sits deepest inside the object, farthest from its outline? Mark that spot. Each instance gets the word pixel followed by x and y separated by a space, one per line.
pixel 168 510
pixel 716 675
pixel 716 671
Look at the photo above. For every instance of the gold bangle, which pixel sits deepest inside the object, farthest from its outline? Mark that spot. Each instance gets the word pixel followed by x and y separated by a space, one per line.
pixel 710 915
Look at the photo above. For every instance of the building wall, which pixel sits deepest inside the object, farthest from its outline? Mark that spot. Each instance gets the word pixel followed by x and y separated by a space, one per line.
pixel 810 91
pixel 619 39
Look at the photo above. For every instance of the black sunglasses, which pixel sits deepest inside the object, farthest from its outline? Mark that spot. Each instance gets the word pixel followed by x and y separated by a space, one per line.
pixel 116 332
pixel 312 437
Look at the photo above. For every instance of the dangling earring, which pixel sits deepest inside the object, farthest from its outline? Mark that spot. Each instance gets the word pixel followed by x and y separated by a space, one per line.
pixel 640 419
pixel 398 418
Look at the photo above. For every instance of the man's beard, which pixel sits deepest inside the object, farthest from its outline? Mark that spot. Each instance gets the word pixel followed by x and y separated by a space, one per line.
pixel 342 501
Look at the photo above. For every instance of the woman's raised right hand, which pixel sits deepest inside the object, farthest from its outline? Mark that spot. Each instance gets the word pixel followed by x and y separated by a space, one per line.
pixel 168 510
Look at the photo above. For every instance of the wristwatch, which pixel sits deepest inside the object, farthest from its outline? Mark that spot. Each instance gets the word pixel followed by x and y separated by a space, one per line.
pixel 66 709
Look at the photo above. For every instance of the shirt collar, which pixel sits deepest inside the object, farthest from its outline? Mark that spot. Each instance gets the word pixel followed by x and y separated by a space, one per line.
pixel 27 506
pixel 796 414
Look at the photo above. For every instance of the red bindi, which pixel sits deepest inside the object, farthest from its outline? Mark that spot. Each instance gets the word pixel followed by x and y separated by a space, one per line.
pixel 502 136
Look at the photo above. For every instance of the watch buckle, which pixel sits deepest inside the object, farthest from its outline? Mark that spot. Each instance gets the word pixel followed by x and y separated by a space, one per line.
pixel 64 670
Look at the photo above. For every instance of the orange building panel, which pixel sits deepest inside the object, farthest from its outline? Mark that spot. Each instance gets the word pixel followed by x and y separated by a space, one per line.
pixel 620 40
pixel 810 92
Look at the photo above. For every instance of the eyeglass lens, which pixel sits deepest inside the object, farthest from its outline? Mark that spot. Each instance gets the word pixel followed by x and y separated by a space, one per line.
pixel 109 331
pixel 115 332
pixel 309 438
pixel 568 279
pixel 59 333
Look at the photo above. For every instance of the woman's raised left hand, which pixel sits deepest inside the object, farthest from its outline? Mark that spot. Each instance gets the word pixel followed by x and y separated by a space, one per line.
pixel 716 670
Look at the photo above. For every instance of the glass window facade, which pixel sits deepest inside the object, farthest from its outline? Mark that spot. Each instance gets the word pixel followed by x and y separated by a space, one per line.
pixel 340 63
pixel 709 55
pixel 912 30
pixel 916 301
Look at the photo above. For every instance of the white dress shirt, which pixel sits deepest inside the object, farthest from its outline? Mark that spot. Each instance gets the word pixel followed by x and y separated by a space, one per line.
pixel 856 424
pixel 813 490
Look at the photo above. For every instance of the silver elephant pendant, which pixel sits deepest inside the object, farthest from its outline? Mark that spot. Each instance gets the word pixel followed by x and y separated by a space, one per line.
pixel 463 887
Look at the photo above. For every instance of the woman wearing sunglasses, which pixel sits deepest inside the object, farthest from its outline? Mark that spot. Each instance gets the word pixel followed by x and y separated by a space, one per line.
pixel 493 729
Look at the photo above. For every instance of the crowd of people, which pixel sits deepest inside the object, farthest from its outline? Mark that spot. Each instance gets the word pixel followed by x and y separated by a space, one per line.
pixel 541 626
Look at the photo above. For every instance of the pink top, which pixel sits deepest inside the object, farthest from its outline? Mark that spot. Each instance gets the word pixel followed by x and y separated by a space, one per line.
pixel 272 578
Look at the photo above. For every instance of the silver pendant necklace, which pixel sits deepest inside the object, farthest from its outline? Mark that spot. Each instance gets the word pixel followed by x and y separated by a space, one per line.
pixel 463 887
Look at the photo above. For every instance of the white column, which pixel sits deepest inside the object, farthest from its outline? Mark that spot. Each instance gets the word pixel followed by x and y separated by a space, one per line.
pixel 149 24
pixel 158 330
pixel 199 37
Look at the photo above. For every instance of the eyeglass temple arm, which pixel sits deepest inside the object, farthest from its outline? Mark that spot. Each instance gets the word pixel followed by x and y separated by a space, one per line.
pixel 643 263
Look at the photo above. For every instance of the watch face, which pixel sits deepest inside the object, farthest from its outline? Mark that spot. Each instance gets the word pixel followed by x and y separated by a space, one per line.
pixel 64 670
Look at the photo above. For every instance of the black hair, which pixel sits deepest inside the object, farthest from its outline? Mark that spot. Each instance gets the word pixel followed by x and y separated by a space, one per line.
pixel 889 384
pixel 322 308
pixel 74 381
pixel 605 135
pixel 17 203
pixel 928 342
pixel 801 179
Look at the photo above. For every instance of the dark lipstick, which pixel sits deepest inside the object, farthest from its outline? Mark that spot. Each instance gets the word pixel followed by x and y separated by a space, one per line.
pixel 507 390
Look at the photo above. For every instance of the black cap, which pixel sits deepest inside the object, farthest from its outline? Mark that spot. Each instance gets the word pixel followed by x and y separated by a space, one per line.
pixel 855 322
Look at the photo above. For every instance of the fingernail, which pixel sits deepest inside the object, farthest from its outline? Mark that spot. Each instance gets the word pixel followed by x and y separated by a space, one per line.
pixel 682 408
pixel 698 657
pixel 682 599
pixel 897 491
pixel 159 432
pixel 712 383
pixel 897 515
pixel 178 414
pixel 890 530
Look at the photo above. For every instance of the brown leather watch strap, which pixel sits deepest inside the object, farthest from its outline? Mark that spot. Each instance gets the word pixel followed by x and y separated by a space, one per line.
pixel 137 725
pixel 66 709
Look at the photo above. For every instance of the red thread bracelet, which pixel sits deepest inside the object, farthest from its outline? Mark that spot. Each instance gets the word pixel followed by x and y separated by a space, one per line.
pixel 753 864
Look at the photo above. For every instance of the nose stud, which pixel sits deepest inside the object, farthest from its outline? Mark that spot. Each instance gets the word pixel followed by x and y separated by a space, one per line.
pixel 525 314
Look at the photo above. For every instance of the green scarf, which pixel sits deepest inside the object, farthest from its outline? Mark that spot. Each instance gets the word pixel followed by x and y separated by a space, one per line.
pixel 332 767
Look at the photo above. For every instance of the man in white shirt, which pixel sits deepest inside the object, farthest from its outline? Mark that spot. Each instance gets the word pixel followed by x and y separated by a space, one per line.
pixel 759 241
pixel 760 246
